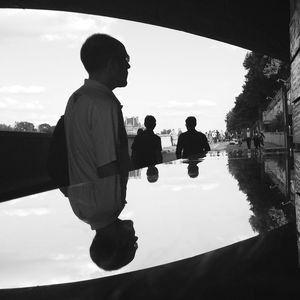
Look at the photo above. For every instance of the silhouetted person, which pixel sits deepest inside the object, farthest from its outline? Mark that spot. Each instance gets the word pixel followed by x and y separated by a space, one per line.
pixel 139 131
pixel 248 138
pixel 261 138
pixel 192 141
pixel 96 137
pixel 152 174
pixel 256 140
pixel 135 141
pixel 146 147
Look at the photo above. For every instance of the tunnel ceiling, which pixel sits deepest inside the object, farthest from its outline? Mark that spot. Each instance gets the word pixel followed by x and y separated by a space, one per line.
pixel 257 25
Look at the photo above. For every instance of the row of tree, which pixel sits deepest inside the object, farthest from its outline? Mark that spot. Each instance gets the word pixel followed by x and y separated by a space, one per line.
pixel 27 127
pixel 261 84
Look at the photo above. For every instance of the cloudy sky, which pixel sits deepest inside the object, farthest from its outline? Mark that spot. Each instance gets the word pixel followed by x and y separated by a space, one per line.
pixel 173 74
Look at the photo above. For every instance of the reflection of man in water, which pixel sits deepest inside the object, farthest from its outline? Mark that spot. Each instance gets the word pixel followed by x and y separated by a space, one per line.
pixel 96 138
pixel 193 170
pixel 99 204
pixel 192 141
pixel 146 147
pixel 114 246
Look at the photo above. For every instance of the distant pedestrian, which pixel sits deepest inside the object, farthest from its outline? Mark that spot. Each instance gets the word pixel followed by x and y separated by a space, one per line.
pixel 239 139
pixel 139 131
pixel 192 141
pixel 173 136
pixel 179 132
pixel 256 140
pixel 248 138
pixel 146 147
pixel 261 138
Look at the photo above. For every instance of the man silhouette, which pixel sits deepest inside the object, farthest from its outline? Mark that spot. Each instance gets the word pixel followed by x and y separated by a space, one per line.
pixel 192 141
pixel 146 147
pixel 95 133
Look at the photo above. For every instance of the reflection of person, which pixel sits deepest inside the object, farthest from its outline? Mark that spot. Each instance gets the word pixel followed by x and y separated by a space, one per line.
pixel 152 174
pixel 99 204
pixel 146 147
pixel 192 141
pixel 95 133
pixel 193 170
pixel 114 246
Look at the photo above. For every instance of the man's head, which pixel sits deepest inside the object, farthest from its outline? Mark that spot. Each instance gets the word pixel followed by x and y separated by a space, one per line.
pixel 190 123
pixel 150 122
pixel 104 55
pixel 114 246
pixel 139 131
pixel 193 170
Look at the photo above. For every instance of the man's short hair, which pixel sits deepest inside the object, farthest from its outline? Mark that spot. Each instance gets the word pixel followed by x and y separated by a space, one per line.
pixel 150 122
pixel 193 171
pixel 97 49
pixel 191 122
pixel 108 255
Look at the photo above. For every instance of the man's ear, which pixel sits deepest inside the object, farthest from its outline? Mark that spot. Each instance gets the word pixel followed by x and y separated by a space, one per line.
pixel 111 64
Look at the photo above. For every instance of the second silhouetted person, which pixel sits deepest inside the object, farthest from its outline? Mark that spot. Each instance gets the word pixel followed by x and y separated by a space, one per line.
pixel 146 147
pixel 192 141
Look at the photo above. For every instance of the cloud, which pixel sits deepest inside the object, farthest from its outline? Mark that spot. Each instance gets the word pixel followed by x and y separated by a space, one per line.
pixel 8 103
pixel 187 104
pixel 25 212
pixel 10 116
pixel 66 257
pixel 180 113
pixel 51 26
pixel 19 89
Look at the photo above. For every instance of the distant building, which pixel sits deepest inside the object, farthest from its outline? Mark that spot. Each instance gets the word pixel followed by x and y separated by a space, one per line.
pixel 132 125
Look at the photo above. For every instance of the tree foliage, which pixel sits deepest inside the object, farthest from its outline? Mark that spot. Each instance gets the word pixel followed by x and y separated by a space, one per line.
pixel 265 203
pixel 45 128
pixel 24 126
pixel 4 127
pixel 260 83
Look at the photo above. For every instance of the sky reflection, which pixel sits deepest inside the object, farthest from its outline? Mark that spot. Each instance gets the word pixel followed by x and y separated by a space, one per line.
pixel 175 217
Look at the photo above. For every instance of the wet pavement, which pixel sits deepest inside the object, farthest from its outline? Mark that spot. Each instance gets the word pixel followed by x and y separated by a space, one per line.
pixel 179 210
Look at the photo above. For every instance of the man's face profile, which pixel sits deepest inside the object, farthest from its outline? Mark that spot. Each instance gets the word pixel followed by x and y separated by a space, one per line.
pixel 120 64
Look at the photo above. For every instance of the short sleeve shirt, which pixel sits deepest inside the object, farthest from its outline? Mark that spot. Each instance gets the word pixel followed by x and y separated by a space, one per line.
pixel 95 131
pixel 100 202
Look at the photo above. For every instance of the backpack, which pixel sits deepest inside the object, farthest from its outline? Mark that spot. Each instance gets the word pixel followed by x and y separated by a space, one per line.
pixel 57 163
